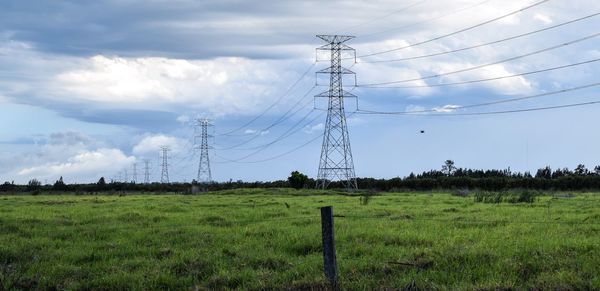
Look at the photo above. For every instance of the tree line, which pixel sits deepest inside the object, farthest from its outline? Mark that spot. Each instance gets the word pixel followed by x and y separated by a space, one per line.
pixel 448 177
pixel 451 177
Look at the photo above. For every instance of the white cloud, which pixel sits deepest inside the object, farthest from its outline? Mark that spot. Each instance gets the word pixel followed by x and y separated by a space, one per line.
pixel 514 85
pixel 119 80
pixel 152 144
pixel 68 138
pixel 256 132
pixel 446 108
pixel 414 108
pixel 543 18
pixel 375 73
pixel 213 86
pixel 184 119
pixel 77 157
pixel 84 164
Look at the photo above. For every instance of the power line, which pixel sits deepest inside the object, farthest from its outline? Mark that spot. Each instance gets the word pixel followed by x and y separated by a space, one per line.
pixel 280 155
pixel 457 107
pixel 485 44
pixel 274 104
pixel 184 165
pixel 258 132
pixel 427 20
pixel 384 16
pixel 278 139
pixel 277 156
pixel 527 109
pixel 512 111
pixel 486 65
pixel 285 135
pixel 456 32
pixel 487 79
pixel 281 119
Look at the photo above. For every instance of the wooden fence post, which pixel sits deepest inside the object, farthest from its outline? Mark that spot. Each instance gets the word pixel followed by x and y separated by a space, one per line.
pixel 329 259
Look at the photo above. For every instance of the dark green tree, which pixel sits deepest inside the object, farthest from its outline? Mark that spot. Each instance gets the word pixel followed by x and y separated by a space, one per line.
pixel 581 170
pixel 59 185
pixel 101 182
pixel 7 186
pixel 297 180
pixel 34 185
pixel 448 168
pixel 544 173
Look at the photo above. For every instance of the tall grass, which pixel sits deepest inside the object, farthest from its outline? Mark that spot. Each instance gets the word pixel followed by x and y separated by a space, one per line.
pixel 524 196
pixel 271 240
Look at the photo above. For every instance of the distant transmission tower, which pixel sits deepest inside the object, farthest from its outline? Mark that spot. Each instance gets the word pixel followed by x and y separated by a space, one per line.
pixel 336 156
pixel 164 175
pixel 135 175
pixel 204 173
pixel 146 171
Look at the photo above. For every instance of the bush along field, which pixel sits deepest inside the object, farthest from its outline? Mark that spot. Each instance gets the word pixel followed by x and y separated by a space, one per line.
pixel 271 239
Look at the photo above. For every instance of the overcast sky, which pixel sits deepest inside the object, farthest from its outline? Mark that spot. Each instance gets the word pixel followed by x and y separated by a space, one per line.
pixel 90 87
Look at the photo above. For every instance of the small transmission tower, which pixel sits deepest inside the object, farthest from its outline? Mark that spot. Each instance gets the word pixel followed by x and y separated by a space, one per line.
pixel 135 175
pixel 336 156
pixel 204 173
pixel 146 171
pixel 164 175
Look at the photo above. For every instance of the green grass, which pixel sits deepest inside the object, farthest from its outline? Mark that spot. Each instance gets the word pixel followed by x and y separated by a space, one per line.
pixel 270 239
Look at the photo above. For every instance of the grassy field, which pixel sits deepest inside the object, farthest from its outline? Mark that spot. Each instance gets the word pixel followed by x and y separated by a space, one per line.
pixel 270 239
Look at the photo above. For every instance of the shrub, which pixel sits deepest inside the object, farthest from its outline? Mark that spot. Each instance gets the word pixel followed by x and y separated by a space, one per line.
pixel 461 193
pixel 499 197
pixel 297 180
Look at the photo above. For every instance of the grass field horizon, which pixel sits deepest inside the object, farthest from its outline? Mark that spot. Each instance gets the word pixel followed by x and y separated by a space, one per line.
pixel 257 239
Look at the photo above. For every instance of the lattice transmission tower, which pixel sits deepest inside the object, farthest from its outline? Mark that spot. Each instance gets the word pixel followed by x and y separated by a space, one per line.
pixel 135 175
pixel 204 172
pixel 164 175
pixel 146 171
pixel 336 163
